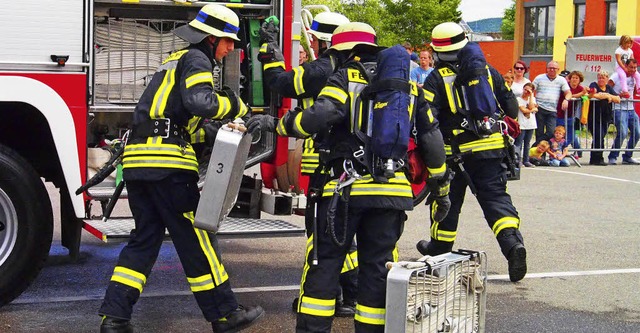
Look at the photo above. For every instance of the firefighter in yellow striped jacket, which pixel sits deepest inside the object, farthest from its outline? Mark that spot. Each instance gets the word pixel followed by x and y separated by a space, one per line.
pixel 161 172
pixel 374 211
pixel 482 156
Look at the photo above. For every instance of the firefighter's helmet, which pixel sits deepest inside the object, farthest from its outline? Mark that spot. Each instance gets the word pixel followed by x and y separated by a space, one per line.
pixel 348 35
pixel 325 23
pixel 212 20
pixel 447 37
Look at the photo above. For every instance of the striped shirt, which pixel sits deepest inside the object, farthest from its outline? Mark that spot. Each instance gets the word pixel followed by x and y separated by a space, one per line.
pixel 548 91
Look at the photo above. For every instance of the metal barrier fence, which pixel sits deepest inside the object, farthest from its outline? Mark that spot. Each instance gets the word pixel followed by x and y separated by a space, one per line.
pixel 600 118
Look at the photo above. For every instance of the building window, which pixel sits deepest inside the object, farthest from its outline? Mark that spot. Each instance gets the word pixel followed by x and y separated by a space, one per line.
pixel 539 29
pixel 612 18
pixel 578 27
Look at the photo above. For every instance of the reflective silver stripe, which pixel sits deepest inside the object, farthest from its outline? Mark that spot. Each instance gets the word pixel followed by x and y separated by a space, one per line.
pixel 168 65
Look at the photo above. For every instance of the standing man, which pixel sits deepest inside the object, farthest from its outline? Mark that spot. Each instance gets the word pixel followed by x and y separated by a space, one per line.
pixel 419 74
pixel 371 210
pixel 549 86
pixel 625 117
pixel 161 172
pixel 481 156
pixel 305 83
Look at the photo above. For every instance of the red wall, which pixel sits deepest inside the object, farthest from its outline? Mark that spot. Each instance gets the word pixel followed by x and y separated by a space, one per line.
pixel 499 54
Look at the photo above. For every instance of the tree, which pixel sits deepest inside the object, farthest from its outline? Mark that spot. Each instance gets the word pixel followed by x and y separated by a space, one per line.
pixel 396 21
pixel 508 22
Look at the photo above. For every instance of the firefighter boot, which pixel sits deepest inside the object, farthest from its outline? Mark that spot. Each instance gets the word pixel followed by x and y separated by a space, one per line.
pixel 512 246
pixel 239 319
pixel 115 325
pixel 345 308
pixel 433 247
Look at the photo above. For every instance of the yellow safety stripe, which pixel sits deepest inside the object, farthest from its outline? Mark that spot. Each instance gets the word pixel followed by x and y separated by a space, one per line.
pixel 317 306
pixel 298 73
pixel 219 273
pixel 494 141
pixel 397 187
pixel 129 277
pixel 298 126
pixel 335 93
pixel 490 78
pixel 274 65
pixel 198 137
pixel 243 110
pixel 429 96
pixel 396 253
pixel 155 154
pixel 441 235
pixel 162 94
pixel 437 172
pixel 281 128
pixel 166 149
pixel 430 115
pixel 369 315
pixel 203 77
pixel 201 283
pixel 350 262
pixel 175 56
pixel 307 102
pixel 224 107
pixel 305 268
pixel 194 124
pixel 505 222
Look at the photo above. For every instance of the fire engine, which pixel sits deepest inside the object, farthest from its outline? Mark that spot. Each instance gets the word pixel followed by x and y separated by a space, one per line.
pixel 71 72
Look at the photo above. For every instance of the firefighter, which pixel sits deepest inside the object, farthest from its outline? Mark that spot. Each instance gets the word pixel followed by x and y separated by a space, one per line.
pixel 305 83
pixel 161 172
pixel 481 157
pixel 373 211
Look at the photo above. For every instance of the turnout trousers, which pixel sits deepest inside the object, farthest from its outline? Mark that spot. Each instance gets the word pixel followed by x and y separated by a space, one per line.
pixel 377 231
pixel 490 181
pixel 168 203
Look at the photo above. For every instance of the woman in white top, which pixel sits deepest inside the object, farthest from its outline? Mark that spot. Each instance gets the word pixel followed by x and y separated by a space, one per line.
pixel 519 70
pixel 527 121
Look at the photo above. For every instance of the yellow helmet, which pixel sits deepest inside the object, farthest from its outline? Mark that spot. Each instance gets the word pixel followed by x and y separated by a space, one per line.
pixel 348 35
pixel 448 36
pixel 212 20
pixel 325 23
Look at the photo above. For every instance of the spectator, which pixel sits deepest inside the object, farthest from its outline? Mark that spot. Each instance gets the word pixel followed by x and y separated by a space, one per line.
pixel 559 148
pixel 527 121
pixel 407 46
pixel 419 74
pixel 519 70
pixel 600 115
pixel 625 117
pixel 623 54
pixel 535 153
pixel 549 87
pixel 303 57
pixel 566 118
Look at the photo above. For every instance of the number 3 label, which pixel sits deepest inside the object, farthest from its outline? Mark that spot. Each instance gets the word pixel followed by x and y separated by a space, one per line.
pixel 220 168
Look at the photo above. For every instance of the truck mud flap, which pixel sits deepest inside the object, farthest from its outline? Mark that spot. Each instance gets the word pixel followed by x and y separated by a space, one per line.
pixel 121 229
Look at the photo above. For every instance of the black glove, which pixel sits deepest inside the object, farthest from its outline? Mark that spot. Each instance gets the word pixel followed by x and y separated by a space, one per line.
pixel 268 32
pixel 211 131
pixel 438 196
pixel 261 123
pixel 270 52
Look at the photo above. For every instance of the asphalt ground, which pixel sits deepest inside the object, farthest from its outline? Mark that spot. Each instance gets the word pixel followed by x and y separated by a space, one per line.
pixel 581 230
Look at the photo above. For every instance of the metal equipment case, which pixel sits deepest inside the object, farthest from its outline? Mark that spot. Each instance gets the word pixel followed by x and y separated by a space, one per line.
pixel 444 293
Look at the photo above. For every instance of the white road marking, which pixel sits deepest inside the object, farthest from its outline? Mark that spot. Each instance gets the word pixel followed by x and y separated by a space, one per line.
pixel 551 169
pixel 38 300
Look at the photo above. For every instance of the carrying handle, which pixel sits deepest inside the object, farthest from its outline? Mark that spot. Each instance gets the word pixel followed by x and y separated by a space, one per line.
pixel 237 127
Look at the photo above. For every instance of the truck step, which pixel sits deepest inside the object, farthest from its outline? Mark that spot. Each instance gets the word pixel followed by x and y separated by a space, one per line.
pixel 120 228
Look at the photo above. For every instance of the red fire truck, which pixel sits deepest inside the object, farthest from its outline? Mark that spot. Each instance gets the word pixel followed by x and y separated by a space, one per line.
pixel 71 72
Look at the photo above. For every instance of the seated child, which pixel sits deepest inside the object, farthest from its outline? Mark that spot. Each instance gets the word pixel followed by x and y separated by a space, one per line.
pixel 559 148
pixel 535 153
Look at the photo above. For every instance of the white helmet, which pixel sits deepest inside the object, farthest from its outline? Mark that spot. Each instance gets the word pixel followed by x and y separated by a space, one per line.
pixel 447 37
pixel 212 20
pixel 325 23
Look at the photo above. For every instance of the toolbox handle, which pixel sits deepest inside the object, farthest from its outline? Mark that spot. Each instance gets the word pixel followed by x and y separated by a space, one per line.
pixel 237 127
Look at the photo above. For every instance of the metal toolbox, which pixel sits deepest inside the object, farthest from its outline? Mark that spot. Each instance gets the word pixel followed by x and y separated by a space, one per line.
pixel 223 178
pixel 444 293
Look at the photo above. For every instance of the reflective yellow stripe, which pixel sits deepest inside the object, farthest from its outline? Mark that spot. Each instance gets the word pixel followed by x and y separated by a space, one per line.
pixel 396 253
pixel 204 77
pixel 369 315
pixel 397 187
pixel 194 124
pixel 298 125
pixel 298 73
pixel 430 115
pixel 129 277
pixel 165 149
pixel 437 172
pixel 494 141
pixel 317 307
pixel 307 102
pixel 505 222
pixel 281 129
pixel 219 273
pixel 335 93
pixel 198 137
pixel 162 95
pixel 441 235
pixel 201 283
pixel 350 262
pixel 305 268
pixel 429 95
pixel 274 65
pixel 155 154
pixel 224 107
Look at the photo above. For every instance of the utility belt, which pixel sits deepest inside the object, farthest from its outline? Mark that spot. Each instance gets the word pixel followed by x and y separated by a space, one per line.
pixel 161 127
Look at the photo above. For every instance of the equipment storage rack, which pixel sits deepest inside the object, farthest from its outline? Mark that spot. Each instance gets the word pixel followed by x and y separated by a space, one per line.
pixel 437 294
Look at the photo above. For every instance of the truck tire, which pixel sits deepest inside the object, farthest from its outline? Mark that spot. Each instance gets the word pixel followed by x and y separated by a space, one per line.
pixel 26 224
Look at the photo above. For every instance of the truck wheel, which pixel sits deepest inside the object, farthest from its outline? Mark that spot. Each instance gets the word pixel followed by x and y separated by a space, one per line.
pixel 26 224
pixel 420 192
